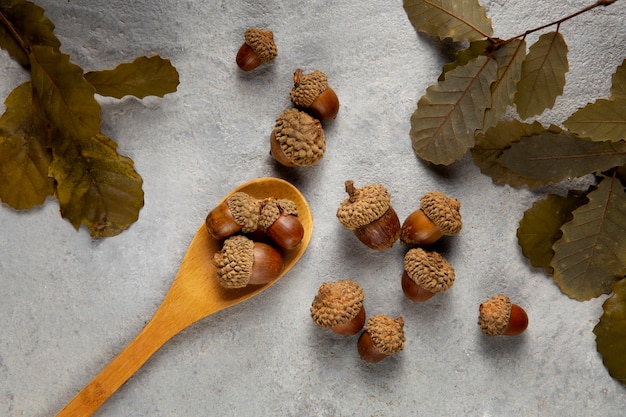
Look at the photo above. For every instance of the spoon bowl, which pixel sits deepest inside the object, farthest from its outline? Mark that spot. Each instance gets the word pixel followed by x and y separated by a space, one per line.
pixel 194 294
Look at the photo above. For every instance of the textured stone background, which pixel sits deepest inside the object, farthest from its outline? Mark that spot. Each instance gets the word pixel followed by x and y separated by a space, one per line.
pixel 69 304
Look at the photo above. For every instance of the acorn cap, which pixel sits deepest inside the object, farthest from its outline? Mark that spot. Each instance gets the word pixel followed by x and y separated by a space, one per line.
pixel 245 210
pixel 234 262
pixel 337 303
pixel 494 315
pixel 387 334
pixel 271 210
pixel 262 43
pixel 307 87
pixel 443 211
pixel 429 270
pixel 300 137
pixel 364 205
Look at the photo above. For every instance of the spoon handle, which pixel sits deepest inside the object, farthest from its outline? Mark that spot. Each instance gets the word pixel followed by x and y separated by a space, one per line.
pixel 159 330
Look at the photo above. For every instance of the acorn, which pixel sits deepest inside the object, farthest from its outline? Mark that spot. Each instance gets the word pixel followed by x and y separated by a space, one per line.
pixel 499 316
pixel 238 213
pixel 279 220
pixel 338 306
pixel 258 47
pixel 425 274
pixel 368 213
pixel 297 139
pixel 242 262
pixel 383 336
pixel 311 93
pixel 438 215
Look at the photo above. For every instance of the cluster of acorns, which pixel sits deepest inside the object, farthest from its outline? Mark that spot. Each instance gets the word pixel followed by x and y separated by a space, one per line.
pixel 368 213
pixel 297 139
pixel 254 233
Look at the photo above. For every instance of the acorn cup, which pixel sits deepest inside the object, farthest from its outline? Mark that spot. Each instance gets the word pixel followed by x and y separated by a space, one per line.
pixel 368 213
pixel 239 213
pixel 258 47
pixel 311 93
pixel 425 274
pixel 437 216
pixel 338 306
pixel 279 220
pixel 297 139
pixel 242 262
pixel 383 336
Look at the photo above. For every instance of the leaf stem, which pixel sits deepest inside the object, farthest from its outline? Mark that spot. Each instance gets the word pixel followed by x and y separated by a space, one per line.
pixel 11 28
pixel 558 22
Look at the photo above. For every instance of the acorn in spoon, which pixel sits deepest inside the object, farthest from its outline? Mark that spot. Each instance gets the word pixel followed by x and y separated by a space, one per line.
pixel 194 294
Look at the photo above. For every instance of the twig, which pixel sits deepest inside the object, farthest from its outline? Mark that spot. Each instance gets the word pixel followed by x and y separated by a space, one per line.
pixel 558 22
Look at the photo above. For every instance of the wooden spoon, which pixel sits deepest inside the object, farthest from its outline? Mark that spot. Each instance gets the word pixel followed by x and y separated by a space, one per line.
pixel 194 294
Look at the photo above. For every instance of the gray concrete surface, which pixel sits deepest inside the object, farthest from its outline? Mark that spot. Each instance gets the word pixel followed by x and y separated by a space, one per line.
pixel 68 304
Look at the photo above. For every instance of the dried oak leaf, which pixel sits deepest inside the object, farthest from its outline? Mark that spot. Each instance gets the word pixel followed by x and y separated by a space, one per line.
pixel 543 75
pixel 63 94
pixel 24 151
pixel 449 114
pixel 153 76
pixel 591 255
pixel 510 58
pixel 611 332
pixel 464 56
pixel 459 20
pixel 96 186
pixel 29 21
pixel 541 226
pixel 601 120
pixel 618 84
pixel 491 144
pixel 555 156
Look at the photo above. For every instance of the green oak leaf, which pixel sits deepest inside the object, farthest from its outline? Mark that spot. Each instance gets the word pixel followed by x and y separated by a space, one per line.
pixel 510 58
pixel 451 111
pixel 31 26
pixel 96 186
pixel 491 144
pixel 459 20
pixel 554 157
pixel 618 85
pixel 143 77
pixel 63 93
pixel 601 120
pixel 541 226
pixel 24 153
pixel 543 75
pixel 611 332
pixel 591 255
